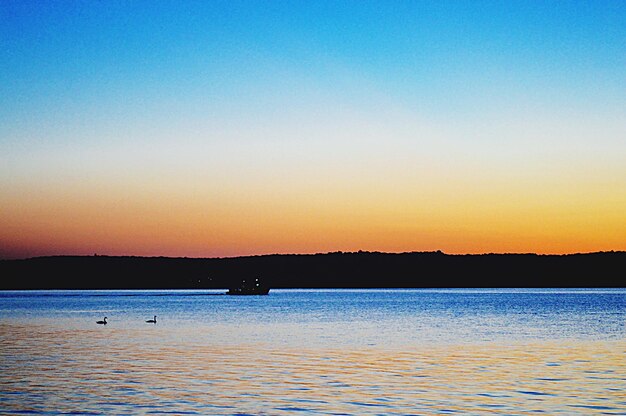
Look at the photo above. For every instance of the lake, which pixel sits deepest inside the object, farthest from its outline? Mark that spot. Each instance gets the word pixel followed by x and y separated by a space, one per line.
pixel 513 351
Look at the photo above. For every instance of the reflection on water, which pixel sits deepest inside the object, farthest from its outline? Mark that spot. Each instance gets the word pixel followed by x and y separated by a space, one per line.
pixel 317 352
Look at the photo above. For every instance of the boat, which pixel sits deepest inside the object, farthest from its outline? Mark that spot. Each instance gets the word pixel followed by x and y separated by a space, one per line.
pixel 249 287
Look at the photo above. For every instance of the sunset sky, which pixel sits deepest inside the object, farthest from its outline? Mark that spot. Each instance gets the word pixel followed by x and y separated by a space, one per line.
pixel 231 128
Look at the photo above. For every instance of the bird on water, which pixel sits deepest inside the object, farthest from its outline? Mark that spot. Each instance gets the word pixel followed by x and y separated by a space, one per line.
pixel 102 322
pixel 152 321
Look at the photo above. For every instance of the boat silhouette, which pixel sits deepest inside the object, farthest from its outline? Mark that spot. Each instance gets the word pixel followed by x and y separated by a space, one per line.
pixel 249 287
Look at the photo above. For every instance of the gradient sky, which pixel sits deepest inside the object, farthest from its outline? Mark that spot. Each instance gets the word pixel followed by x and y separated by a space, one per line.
pixel 240 127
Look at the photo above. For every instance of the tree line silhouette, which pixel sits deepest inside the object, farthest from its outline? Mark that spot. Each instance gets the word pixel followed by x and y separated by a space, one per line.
pixel 330 270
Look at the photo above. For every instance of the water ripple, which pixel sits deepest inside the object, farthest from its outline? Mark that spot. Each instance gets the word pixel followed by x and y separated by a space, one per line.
pixel 231 366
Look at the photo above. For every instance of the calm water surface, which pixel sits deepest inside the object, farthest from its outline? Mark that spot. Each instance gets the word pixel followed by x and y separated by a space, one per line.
pixel 320 352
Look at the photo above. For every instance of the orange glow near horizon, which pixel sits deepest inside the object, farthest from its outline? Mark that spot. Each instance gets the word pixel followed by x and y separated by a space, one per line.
pixel 453 218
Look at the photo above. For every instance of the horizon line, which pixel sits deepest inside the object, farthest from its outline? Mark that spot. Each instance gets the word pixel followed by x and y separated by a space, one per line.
pixel 318 254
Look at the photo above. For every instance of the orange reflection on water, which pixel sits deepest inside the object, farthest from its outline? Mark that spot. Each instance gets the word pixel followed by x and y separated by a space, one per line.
pixel 132 371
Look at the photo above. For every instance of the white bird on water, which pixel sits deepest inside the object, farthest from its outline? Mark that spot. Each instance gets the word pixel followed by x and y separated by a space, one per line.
pixel 152 321
pixel 102 322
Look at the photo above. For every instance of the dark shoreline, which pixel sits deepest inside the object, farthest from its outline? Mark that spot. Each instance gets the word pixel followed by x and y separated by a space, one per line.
pixel 330 270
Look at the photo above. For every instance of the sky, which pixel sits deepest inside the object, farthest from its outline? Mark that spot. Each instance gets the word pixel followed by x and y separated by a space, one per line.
pixel 212 129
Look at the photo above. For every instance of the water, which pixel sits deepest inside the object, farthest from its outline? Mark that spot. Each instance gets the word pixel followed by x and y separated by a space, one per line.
pixel 314 351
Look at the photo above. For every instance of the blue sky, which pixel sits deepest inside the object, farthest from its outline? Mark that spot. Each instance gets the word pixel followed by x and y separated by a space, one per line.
pixel 448 56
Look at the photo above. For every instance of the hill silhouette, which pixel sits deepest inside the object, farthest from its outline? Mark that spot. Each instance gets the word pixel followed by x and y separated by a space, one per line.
pixel 330 270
